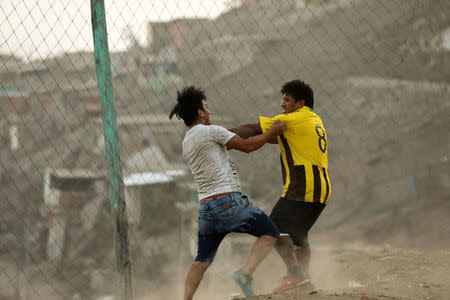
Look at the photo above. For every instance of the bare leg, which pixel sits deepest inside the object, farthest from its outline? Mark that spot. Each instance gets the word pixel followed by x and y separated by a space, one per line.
pixel 259 251
pixel 303 257
pixel 193 278
pixel 285 248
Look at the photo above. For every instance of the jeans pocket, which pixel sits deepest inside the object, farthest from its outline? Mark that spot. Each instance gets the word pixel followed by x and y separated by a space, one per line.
pixel 227 213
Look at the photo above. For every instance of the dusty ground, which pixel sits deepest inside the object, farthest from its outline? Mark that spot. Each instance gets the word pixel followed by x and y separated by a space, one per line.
pixel 354 272
pixel 351 272
pixel 395 255
pixel 352 261
pixel 377 274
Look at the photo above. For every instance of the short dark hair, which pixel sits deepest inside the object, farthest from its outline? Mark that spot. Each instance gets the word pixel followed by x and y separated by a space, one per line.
pixel 189 100
pixel 299 90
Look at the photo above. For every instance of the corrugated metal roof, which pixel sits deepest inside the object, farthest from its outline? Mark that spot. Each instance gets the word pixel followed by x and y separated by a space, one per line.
pixel 151 178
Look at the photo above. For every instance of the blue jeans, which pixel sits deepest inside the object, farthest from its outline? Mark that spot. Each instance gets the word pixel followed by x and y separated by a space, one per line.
pixel 232 213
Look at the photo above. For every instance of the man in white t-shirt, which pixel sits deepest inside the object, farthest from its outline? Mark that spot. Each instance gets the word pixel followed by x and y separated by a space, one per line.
pixel 223 209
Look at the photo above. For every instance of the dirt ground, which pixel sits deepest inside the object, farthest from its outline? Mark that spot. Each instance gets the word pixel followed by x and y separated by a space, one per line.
pixel 380 257
pixel 364 273
pixel 395 255
pixel 344 273
pixel 352 272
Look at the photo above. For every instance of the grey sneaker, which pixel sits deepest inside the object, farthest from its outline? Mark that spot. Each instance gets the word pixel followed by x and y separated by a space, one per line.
pixel 244 282
pixel 290 282
pixel 309 287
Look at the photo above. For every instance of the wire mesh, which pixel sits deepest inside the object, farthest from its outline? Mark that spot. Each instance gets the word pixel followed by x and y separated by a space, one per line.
pixel 379 70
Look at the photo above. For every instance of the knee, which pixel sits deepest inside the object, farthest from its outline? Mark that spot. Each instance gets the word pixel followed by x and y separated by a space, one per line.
pixel 284 245
pixel 301 242
pixel 269 240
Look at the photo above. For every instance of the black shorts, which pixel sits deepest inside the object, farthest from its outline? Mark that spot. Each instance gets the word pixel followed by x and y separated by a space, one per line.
pixel 296 218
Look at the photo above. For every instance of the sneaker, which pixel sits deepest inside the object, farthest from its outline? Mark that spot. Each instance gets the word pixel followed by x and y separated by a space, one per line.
pixel 309 287
pixel 244 282
pixel 290 282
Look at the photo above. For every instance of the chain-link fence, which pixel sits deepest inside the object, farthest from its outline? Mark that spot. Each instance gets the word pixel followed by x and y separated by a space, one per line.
pixel 379 70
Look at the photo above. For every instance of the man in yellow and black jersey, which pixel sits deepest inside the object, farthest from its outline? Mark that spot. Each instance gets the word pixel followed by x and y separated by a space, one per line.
pixel 306 183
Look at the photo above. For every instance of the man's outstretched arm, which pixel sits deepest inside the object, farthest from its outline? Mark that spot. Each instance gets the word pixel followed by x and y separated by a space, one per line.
pixel 249 130
pixel 255 142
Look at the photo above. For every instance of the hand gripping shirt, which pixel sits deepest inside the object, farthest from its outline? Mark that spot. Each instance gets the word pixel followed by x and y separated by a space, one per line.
pixel 205 152
pixel 304 162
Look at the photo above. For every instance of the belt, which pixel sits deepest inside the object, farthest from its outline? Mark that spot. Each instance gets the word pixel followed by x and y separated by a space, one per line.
pixel 215 197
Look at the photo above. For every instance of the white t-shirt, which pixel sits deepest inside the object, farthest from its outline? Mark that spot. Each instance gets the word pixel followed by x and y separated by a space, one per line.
pixel 205 152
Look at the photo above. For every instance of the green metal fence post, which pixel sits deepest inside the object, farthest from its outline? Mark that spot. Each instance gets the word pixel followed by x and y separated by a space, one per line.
pixel 116 192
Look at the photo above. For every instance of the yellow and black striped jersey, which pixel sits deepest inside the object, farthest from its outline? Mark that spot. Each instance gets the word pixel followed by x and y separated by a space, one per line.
pixel 304 161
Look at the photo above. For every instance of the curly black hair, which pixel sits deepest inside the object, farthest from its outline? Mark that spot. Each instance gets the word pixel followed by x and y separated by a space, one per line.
pixel 189 100
pixel 299 90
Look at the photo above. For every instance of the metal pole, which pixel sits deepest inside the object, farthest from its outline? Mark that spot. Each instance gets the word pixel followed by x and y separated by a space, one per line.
pixel 26 244
pixel 116 192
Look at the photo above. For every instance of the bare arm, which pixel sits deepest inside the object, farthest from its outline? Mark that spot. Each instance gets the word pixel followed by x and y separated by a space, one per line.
pixel 251 129
pixel 247 130
pixel 273 140
pixel 256 142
